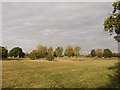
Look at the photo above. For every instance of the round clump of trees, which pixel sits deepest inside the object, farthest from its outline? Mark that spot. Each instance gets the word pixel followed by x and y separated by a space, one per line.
pixel 16 52
pixel 93 53
pixel 101 53
pixel 42 52
pixel 107 53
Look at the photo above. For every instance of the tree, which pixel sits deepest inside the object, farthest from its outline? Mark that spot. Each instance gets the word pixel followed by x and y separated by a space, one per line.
pixel 69 51
pixel 50 56
pixel 112 22
pixel 107 53
pixel 99 52
pixel 58 52
pixel 42 51
pixel 3 52
pixel 93 53
pixel 50 51
pixel 33 55
pixel 16 52
pixel 77 51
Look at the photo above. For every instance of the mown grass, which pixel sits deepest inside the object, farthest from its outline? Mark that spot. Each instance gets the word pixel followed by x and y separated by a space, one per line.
pixel 87 73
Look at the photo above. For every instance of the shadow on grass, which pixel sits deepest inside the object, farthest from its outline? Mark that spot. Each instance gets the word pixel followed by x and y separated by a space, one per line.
pixel 112 67
pixel 114 80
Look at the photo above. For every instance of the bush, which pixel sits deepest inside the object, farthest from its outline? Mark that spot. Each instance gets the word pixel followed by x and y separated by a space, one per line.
pixel 115 54
pixel 27 55
pixel 33 55
pixel 89 55
pixel 50 57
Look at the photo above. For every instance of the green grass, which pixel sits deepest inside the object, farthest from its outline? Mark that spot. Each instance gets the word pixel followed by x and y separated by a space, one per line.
pixel 88 73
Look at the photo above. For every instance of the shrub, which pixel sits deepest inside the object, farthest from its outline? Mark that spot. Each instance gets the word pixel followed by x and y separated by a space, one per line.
pixel 50 57
pixel 33 55
pixel 89 55
pixel 27 55
pixel 115 54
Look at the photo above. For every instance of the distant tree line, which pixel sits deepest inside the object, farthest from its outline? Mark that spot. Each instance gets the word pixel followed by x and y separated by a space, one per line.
pixel 48 52
pixel 103 53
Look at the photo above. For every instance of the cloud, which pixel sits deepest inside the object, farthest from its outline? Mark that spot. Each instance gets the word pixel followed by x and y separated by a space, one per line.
pixel 56 24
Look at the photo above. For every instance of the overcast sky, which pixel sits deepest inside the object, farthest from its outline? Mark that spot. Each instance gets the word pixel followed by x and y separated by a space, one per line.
pixel 56 24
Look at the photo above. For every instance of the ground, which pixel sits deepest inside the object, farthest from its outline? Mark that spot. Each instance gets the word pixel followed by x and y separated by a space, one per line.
pixel 86 73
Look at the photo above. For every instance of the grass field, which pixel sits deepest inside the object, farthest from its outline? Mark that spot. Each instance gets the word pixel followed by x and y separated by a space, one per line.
pixel 87 73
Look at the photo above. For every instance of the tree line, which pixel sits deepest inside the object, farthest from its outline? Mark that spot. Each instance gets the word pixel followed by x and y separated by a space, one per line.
pixel 40 52
pixel 102 53
pixel 48 52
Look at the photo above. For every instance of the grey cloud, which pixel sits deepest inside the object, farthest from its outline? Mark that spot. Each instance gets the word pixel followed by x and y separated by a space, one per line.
pixel 56 24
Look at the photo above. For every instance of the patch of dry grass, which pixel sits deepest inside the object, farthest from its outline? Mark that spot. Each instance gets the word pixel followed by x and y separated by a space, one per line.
pixel 89 73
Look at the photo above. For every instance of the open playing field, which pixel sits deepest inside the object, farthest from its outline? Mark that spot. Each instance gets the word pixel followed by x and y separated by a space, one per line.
pixel 88 73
